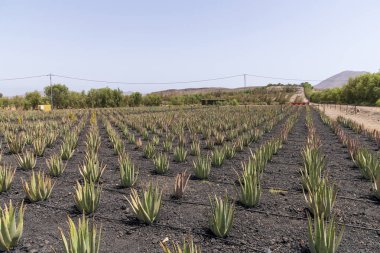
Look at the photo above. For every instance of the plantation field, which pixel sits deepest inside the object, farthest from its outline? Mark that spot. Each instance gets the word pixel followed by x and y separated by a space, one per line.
pixel 265 144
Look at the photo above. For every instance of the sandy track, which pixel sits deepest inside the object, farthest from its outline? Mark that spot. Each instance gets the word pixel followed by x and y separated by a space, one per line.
pixel 366 115
pixel 300 93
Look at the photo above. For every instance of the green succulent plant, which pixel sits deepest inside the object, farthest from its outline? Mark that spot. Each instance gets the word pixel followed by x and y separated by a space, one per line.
pixel 161 163
pixel 39 187
pixel 202 167
pixel 148 206
pixel 222 215
pixel 87 197
pixel 187 246
pixel 55 165
pixel 324 236
pixel 6 178
pixel 11 227
pixel 27 161
pixel 128 171
pixel 84 238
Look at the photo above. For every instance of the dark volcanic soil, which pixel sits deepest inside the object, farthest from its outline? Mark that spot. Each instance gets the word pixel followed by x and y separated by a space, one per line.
pixel 279 222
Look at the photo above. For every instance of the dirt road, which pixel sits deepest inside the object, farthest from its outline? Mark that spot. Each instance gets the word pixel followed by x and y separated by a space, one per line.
pixel 300 93
pixel 366 115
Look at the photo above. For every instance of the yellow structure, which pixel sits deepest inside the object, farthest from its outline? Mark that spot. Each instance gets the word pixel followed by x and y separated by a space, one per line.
pixel 45 108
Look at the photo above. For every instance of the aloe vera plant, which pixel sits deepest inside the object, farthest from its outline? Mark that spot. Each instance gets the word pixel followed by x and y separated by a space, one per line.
pixel 148 206
pixel 230 151
pixel 324 236
pixel 180 154
pixel 180 184
pixel 187 246
pixel 16 142
pixel 367 162
pixel 322 199
pixel 118 146
pixel 92 169
pixel 55 165
pixel 93 140
pixel 155 140
pixel 138 143
pixel 222 216
pixel 202 167
pixel 250 189
pixel 161 163
pixel 195 149
pixel 167 145
pixel 11 227
pixel 87 197
pixel 128 171
pixel 66 151
pixel 217 157
pixel 27 161
pixel 84 238
pixel 39 187
pixel 314 166
pixel 149 151
pixel 6 178
pixel 39 145
pixel 376 185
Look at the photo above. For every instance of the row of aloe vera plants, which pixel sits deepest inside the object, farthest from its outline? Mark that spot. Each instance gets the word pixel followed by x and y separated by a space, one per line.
pixel 360 129
pixel 147 206
pixel 201 131
pixel 320 195
pixel 38 188
pixel 367 161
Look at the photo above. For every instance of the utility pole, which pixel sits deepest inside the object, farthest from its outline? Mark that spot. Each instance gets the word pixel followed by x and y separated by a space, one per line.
pixel 245 80
pixel 51 92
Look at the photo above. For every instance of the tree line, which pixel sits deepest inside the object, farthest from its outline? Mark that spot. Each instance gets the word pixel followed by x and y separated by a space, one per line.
pixel 362 90
pixel 62 97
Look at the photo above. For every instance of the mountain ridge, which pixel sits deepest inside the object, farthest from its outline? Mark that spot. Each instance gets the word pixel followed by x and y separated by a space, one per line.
pixel 338 80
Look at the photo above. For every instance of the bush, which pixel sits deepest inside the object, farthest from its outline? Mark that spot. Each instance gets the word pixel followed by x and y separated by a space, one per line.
pixel 378 102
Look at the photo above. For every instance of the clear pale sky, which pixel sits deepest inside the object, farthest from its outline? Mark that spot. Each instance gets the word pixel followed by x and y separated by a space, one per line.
pixel 164 41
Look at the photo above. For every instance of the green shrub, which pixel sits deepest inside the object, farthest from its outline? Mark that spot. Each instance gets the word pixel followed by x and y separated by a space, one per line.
pixel 377 102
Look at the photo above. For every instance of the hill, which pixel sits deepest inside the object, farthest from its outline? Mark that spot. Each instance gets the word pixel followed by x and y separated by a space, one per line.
pixel 338 80
pixel 191 91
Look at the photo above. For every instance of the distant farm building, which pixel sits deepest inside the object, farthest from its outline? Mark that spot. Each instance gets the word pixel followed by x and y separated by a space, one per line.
pixel 212 101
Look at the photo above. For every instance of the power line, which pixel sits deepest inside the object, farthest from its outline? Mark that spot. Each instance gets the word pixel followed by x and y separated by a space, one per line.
pixel 172 82
pixel 121 82
pixel 20 78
